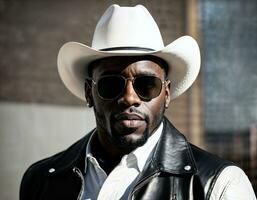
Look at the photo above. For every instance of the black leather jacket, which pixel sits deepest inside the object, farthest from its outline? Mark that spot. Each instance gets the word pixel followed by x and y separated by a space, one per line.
pixel 177 169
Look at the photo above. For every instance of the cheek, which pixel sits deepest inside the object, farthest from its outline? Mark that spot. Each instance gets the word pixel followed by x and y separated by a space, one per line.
pixel 101 109
pixel 155 110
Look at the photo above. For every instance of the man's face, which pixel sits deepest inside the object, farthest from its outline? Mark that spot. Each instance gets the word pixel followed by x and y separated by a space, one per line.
pixel 127 121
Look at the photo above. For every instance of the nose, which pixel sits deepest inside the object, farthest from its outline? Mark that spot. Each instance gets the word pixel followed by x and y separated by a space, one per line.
pixel 129 97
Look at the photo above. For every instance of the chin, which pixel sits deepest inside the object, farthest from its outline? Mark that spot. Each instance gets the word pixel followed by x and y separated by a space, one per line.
pixel 131 140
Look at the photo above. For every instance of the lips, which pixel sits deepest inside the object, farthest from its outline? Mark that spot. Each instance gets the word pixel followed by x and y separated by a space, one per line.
pixel 129 120
pixel 128 116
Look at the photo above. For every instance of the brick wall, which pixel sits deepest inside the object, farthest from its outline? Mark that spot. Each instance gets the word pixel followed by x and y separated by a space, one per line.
pixel 32 32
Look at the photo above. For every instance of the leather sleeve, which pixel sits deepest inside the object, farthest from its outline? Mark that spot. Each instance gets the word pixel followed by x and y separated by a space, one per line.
pixel 26 187
pixel 31 182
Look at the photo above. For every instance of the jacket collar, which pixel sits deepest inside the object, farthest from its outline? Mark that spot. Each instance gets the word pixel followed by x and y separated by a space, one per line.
pixel 173 153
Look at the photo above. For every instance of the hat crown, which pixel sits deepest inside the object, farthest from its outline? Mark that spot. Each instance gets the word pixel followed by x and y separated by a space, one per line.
pixel 127 27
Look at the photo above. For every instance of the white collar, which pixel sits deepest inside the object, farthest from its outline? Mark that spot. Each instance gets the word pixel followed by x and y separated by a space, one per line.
pixel 142 153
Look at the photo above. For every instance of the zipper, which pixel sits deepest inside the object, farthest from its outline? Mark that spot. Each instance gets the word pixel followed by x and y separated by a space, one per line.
pixel 80 175
pixel 174 195
pixel 142 183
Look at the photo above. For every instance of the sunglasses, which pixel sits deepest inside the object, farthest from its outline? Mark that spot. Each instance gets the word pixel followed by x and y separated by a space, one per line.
pixel 110 87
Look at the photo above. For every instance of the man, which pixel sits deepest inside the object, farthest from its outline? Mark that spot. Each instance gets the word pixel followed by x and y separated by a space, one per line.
pixel 129 78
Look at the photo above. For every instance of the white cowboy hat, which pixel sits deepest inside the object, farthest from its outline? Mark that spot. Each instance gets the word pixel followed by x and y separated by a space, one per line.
pixel 129 31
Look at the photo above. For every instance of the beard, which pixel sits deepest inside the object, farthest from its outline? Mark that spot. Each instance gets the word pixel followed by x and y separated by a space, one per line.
pixel 128 138
pixel 122 138
pixel 123 141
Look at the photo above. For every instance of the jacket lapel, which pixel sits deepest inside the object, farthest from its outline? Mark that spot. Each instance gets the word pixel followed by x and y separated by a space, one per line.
pixel 171 155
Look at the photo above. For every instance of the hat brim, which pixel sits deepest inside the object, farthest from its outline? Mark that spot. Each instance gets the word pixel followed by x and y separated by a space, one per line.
pixel 182 57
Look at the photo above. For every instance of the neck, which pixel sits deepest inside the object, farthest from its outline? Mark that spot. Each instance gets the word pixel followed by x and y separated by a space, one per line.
pixel 107 154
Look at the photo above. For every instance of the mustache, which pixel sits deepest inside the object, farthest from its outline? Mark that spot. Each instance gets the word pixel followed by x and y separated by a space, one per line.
pixel 136 111
pixel 131 110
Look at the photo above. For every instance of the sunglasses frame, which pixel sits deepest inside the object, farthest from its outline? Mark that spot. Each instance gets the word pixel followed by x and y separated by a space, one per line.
pixel 126 80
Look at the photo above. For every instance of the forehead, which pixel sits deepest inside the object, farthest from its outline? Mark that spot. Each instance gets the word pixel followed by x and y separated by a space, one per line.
pixel 127 66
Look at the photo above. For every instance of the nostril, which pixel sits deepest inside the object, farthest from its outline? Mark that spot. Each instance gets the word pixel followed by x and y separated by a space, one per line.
pixel 130 100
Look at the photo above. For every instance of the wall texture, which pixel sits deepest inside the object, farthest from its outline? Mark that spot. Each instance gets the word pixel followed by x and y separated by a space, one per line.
pixel 32 32
pixel 230 80
pixel 30 132
pixel 230 57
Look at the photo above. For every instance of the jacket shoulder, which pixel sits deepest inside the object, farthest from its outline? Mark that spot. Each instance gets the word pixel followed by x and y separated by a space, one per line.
pixel 35 175
pixel 205 160
pixel 42 166
pixel 209 166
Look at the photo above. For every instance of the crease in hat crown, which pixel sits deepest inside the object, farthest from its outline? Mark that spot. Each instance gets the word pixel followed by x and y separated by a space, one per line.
pixel 129 31
pixel 127 27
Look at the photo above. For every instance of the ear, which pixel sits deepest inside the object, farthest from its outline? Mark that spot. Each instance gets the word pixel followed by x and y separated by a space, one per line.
pixel 167 93
pixel 88 93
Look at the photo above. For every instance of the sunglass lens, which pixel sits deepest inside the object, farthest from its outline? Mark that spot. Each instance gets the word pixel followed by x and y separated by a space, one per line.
pixel 109 87
pixel 148 87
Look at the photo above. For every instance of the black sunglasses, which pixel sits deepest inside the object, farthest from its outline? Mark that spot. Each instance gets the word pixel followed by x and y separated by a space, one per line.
pixel 110 87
